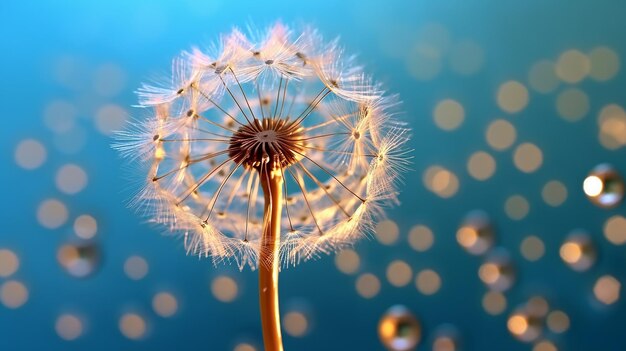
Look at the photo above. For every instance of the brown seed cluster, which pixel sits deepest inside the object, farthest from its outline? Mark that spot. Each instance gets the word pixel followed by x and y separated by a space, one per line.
pixel 277 143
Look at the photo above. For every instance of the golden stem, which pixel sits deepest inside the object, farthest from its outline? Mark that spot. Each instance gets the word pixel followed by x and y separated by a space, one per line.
pixel 269 261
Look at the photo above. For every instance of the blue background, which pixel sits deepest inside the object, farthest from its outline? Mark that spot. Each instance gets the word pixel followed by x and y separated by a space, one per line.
pixel 141 37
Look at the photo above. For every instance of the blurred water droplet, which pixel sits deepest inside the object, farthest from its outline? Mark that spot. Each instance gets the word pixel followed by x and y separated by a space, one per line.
pixel 494 302
pixel 9 263
pixel 512 96
pixel 558 321
pixel 428 282
pixel 52 213
pixel 399 330
pixel 165 304
pixel 69 327
pixel 399 273
pixel 524 326
pixel 136 267
pixel 475 234
pixel 367 285
pixel 578 251
pixel 224 288
pixel 30 154
pixel 446 338
pixel 13 294
pixel 133 326
pixel 537 306
pixel 79 260
pixel 607 289
pixel 296 323
pixel 497 271
pixel 347 261
pixel 604 186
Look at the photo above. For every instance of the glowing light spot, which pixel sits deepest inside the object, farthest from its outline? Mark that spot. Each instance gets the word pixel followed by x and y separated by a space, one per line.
pixel 446 340
pixel 133 326
pixel 441 181
pixel 578 251
pixel 387 232
pixel 428 282
pixel 399 273
pixel 367 285
pixel 537 306
pixel 52 213
pixel 494 303
pixel 421 238
pixel 347 261
pixel 604 186
pixel 544 345
pixel 612 125
pixel 13 294
pixel 9 263
pixel 572 66
pixel 497 271
pixel 516 207
pixel 224 289
pixel 71 179
pixel 164 304
pixel 481 165
pixel 572 104
pixel 512 96
pixel 85 227
pixel 554 193
pixel 523 326
pixel 69 327
pixel 593 185
pixel 542 77
pixel 501 134
pixel 607 289
pixel 30 154
pixel 615 230
pixel 80 260
pixel 532 248
pixel 604 62
pixel 244 347
pixel 136 267
pixel 296 324
pixel 449 114
pixel 517 324
pixel 475 234
pixel 527 157
pixel 558 321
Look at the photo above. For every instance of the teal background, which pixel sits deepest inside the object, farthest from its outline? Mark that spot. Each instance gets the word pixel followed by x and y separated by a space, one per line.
pixel 142 37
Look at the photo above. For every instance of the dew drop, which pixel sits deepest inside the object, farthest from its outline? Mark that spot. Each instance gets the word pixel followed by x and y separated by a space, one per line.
pixel 446 338
pixel 578 251
pixel 399 330
pixel 475 234
pixel 524 326
pixel 497 271
pixel 79 260
pixel 604 186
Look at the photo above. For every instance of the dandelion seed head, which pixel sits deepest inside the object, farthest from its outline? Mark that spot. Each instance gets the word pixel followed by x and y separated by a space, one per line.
pixel 276 102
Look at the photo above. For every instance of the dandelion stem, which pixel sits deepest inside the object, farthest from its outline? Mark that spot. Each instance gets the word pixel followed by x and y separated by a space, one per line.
pixel 269 261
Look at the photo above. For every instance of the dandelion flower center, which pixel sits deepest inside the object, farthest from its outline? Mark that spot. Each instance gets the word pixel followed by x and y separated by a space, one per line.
pixel 277 143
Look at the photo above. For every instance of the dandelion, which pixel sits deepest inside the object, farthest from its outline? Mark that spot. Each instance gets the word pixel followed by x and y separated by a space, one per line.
pixel 267 149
